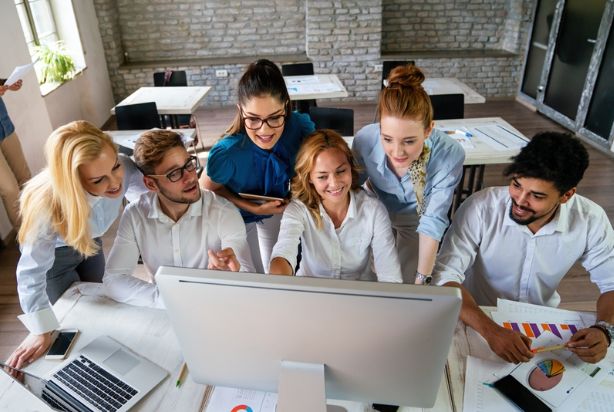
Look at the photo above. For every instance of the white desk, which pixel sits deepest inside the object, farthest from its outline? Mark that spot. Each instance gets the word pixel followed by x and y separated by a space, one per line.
pixel 318 86
pixel 448 85
pixel 147 332
pixel 127 138
pixel 505 140
pixel 169 100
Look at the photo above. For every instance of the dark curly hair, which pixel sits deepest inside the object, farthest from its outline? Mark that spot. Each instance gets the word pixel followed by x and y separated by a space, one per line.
pixel 556 157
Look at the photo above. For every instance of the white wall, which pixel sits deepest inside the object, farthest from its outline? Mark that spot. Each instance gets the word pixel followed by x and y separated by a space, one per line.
pixel 87 97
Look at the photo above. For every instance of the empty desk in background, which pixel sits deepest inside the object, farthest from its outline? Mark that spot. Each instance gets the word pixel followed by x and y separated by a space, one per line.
pixel 445 85
pixel 147 332
pixel 317 86
pixel 127 138
pixel 169 100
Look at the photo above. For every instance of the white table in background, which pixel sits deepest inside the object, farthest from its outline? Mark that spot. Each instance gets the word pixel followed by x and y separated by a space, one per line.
pixel 317 86
pixel 169 100
pixel 449 85
pixel 147 332
pixel 494 141
pixel 127 138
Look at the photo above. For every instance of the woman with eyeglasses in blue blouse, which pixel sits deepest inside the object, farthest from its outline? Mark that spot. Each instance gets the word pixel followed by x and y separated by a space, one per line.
pixel 257 155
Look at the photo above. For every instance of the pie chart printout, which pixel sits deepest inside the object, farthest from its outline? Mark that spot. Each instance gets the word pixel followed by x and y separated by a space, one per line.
pixel 546 375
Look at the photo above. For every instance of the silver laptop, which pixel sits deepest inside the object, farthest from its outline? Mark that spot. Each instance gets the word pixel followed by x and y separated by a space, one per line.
pixel 104 376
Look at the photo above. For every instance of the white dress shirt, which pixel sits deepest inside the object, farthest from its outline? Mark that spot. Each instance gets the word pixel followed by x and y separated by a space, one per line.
pixel 211 223
pixel 493 256
pixel 38 253
pixel 342 253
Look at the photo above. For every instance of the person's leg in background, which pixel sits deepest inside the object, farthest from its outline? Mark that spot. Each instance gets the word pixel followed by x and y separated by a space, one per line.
pixel 14 172
pixel 254 245
pixel 91 269
pixel 407 240
pixel 11 148
pixel 268 232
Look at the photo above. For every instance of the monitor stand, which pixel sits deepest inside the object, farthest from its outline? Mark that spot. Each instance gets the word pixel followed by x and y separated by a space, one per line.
pixel 302 388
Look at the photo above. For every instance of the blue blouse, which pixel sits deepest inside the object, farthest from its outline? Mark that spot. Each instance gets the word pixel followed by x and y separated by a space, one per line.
pixel 239 164
pixel 443 172
pixel 6 126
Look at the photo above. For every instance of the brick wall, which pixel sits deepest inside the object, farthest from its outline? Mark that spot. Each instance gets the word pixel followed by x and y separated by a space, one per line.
pixel 443 24
pixel 168 29
pixel 349 38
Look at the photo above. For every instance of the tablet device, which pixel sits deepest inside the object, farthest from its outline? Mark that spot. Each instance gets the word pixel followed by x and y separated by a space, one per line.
pixel 260 197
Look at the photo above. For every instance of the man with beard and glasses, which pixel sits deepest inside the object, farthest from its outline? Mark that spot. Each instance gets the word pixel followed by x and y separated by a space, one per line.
pixel 518 242
pixel 174 224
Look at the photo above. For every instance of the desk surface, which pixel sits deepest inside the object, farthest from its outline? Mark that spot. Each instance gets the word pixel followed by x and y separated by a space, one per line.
pixel 169 100
pixel 148 332
pixel 318 86
pixel 449 85
pixel 494 140
pixel 127 138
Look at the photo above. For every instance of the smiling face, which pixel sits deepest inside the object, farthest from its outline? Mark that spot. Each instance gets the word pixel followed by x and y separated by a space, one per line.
pixel 402 140
pixel 267 110
pixel 183 191
pixel 104 175
pixel 535 201
pixel 331 176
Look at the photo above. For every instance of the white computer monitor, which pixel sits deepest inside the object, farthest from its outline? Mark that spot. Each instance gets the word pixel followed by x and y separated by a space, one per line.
pixel 368 341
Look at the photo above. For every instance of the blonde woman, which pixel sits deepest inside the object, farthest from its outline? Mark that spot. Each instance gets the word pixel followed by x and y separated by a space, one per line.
pixel 337 224
pixel 65 209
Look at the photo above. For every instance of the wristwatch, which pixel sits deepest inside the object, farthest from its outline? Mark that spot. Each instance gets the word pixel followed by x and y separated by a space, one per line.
pixel 606 328
pixel 425 279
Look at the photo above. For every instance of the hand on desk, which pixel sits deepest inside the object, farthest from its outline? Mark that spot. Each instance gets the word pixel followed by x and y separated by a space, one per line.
pixel 589 344
pixel 510 345
pixel 224 259
pixel 32 348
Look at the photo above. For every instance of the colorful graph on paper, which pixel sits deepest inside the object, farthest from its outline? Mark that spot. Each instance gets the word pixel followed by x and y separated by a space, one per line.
pixel 533 330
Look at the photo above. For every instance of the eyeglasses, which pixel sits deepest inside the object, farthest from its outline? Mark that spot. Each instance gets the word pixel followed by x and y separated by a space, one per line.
pixel 255 123
pixel 176 174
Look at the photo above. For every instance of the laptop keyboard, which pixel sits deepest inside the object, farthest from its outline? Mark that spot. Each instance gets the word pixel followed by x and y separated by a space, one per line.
pixel 95 384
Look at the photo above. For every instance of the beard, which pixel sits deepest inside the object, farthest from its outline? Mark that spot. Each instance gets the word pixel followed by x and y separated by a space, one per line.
pixel 531 218
pixel 183 199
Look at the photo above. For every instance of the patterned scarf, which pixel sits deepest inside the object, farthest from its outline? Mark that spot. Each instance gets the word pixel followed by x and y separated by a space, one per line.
pixel 417 175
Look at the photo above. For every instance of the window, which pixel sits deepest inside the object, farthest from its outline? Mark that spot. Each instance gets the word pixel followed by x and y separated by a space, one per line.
pixel 37 22
pixel 47 23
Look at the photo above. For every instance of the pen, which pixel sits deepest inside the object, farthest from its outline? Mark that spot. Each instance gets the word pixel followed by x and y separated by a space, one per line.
pixel 548 348
pixel 184 367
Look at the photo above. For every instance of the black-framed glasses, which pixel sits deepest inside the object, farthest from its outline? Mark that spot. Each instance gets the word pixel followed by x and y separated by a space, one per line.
pixel 193 164
pixel 255 123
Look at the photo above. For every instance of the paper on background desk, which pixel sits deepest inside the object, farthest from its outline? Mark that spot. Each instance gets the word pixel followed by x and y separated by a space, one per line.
pixel 18 73
pixel 226 399
pixel 294 80
pixel 312 88
pixel 498 137
pixel 461 137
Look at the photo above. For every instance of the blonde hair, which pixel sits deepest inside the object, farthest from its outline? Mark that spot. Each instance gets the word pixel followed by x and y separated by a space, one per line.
pixel 314 144
pixel 56 194
pixel 404 97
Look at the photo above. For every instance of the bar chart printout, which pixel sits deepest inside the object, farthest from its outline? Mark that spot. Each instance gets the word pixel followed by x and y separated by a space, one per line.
pixel 534 329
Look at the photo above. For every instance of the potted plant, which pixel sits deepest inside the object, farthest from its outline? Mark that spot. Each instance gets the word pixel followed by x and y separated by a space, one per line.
pixel 56 64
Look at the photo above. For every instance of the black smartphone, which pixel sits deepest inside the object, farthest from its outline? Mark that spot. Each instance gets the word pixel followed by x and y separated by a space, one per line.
pixel 520 395
pixel 61 345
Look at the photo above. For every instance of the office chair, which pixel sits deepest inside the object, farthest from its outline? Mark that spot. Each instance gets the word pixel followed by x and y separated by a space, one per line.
pixel 175 78
pixel 170 78
pixel 136 117
pixel 448 106
pixel 299 69
pixel 388 65
pixel 340 120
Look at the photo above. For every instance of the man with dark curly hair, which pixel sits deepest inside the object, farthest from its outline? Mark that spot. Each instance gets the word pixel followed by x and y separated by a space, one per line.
pixel 518 242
